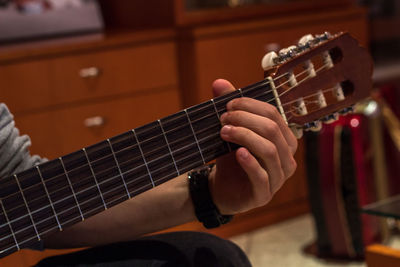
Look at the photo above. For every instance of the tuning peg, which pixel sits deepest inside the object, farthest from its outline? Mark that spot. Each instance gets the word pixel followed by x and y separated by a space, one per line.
pixel 297 131
pixel 314 126
pixel 346 110
pixel 305 39
pixel 330 118
pixel 268 60
pixel 292 51
pixel 283 54
pixel 323 37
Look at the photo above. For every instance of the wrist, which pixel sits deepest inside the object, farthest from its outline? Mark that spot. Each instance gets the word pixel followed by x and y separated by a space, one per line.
pixel 205 209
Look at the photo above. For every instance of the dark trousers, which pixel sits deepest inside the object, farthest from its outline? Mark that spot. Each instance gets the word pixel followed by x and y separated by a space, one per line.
pixel 170 249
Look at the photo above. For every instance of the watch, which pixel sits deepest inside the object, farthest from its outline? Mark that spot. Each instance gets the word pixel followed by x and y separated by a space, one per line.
pixel 205 209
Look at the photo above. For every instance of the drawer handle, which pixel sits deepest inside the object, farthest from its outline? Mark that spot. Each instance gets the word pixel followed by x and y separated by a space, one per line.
pixel 90 72
pixel 93 122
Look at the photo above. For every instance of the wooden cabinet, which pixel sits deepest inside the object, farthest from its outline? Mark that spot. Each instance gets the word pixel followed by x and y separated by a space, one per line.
pixel 73 96
pixel 86 75
pixel 234 50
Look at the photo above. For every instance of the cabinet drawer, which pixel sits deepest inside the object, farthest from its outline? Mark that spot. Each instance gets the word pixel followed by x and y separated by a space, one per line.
pixel 235 51
pixel 65 79
pixel 55 133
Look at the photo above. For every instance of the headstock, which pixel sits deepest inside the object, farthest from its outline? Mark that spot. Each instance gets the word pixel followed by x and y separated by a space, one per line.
pixel 320 78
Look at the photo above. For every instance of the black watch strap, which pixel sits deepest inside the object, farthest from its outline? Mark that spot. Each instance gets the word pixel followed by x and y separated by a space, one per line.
pixel 205 209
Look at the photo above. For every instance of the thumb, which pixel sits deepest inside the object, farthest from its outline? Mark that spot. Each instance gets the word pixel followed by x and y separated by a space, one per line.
pixel 221 87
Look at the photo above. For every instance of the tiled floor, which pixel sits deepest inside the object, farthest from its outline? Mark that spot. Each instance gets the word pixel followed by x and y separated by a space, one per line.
pixel 281 245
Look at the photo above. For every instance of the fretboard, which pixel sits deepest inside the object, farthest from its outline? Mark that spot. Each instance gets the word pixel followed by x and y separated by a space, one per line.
pixel 69 189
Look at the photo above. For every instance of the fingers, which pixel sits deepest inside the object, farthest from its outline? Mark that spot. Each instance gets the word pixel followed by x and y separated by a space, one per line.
pixel 265 151
pixel 265 110
pixel 221 87
pixel 268 144
pixel 265 130
pixel 257 175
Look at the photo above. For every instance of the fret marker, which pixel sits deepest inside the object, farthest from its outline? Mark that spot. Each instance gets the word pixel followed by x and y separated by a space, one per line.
pixel 194 135
pixel 144 159
pixel 169 148
pixel 72 188
pixel 9 225
pixel 27 207
pixel 48 196
pixel 119 169
pixel 94 177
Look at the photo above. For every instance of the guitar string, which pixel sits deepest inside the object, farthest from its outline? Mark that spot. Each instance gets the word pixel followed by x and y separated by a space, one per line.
pixel 256 96
pixel 85 212
pixel 16 245
pixel 104 192
pixel 306 102
pixel 147 140
pixel 90 199
pixel 139 157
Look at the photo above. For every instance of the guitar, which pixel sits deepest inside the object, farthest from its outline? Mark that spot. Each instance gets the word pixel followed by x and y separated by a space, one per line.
pixel 309 84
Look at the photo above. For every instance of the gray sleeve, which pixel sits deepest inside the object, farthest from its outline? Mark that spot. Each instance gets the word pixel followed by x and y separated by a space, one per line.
pixel 14 150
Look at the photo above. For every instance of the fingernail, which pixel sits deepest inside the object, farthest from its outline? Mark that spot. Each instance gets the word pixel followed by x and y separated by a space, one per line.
pixel 229 106
pixel 223 117
pixel 226 130
pixel 243 153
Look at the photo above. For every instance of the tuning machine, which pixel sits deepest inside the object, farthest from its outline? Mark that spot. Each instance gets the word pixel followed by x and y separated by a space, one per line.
pixel 296 130
pixel 330 118
pixel 347 110
pixel 314 126
pixel 268 60
pixel 323 37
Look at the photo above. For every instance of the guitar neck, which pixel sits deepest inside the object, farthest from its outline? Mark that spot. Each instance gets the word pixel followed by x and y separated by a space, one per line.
pixel 69 189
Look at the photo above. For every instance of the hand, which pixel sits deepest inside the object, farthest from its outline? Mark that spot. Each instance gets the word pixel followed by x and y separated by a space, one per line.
pixel 248 177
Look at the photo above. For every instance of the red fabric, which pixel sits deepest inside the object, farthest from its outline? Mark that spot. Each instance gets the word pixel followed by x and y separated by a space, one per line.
pixel 391 94
pixel 362 155
pixel 335 226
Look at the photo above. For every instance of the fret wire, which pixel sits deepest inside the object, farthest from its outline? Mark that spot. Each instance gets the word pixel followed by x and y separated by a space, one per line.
pixel 89 163
pixel 119 151
pixel 194 135
pixel 240 91
pixel 189 121
pixel 72 188
pixel 27 207
pixel 93 187
pixel 66 172
pixel 48 196
pixel 169 148
pixel 208 115
pixel 94 177
pixel 51 229
pixel 88 200
pixel 119 169
pixel 144 159
pixel 9 225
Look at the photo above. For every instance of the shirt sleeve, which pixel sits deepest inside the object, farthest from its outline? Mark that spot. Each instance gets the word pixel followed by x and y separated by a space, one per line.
pixel 14 150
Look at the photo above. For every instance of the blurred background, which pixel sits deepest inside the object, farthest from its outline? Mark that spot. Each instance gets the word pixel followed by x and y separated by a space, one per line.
pixel 75 72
